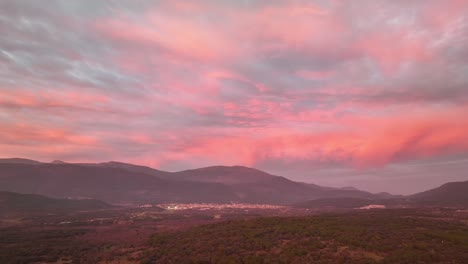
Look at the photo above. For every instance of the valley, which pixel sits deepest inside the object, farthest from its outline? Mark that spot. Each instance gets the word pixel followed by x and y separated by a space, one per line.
pixel 237 234
pixel 122 213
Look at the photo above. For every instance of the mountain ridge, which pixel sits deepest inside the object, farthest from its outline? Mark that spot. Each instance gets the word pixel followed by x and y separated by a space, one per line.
pixel 117 182
pixel 125 183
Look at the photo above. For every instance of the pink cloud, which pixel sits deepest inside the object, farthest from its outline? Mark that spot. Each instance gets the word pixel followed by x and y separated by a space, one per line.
pixel 27 134
pixel 181 37
pixel 362 143
pixel 314 75
pixel 18 97
pixel 392 49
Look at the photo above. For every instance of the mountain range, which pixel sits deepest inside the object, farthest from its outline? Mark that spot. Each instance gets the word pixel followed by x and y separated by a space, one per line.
pixel 123 183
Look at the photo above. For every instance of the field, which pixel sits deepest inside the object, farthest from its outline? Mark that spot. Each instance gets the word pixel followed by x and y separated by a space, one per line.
pixel 238 235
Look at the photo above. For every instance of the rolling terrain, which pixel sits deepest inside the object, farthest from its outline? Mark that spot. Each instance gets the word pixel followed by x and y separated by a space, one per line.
pixel 308 224
pixel 155 235
pixel 123 183
pixel 26 204
pixel 393 236
pixel 452 194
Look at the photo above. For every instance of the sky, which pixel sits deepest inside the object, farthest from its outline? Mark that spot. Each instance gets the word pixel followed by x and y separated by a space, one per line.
pixel 371 94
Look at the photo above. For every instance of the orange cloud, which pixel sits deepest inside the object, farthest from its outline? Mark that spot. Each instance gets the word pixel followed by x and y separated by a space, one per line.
pixel 24 134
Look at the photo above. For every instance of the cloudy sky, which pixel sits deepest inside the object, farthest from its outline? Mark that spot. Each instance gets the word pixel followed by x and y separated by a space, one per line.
pixel 372 94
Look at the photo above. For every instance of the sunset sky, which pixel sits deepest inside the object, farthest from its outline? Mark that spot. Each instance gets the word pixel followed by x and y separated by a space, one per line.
pixel 371 94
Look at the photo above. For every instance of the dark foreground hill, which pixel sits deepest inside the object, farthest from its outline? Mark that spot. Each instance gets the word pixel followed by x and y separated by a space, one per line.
pixel 449 194
pixel 116 182
pixel 16 203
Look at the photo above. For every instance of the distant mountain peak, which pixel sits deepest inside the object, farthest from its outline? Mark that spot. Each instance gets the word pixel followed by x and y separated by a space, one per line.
pixel 58 162
pixel 225 174
pixel 235 168
pixel 114 162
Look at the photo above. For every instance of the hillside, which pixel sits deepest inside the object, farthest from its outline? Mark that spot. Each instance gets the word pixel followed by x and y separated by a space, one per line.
pixel 16 203
pixel 131 168
pixel 343 203
pixel 112 185
pixel 257 186
pixel 451 194
pixel 229 175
